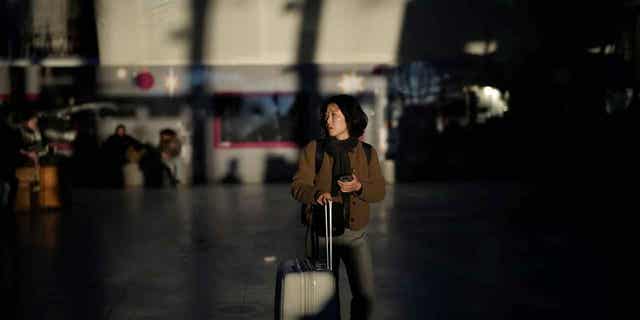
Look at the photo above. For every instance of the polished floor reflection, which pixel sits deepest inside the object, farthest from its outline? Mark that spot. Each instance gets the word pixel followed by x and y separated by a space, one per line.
pixel 467 250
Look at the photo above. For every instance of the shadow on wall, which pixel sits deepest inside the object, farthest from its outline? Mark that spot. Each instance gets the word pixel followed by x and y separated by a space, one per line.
pixel 279 170
pixel 232 173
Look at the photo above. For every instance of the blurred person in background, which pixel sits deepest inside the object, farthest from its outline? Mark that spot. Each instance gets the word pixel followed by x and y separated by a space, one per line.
pixel 161 165
pixel 170 148
pixel 114 150
pixel 32 146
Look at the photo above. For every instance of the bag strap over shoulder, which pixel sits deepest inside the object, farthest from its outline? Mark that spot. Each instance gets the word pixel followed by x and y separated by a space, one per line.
pixel 318 163
pixel 319 154
pixel 367 150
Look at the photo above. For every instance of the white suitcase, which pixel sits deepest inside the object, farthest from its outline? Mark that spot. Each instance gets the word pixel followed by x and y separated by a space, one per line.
pixel 305 290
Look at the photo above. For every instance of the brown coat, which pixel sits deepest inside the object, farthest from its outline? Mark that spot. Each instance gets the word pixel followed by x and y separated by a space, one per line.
pixel 306 184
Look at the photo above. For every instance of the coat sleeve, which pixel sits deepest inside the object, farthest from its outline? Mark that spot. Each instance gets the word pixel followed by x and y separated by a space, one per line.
pixel 373 189
pixel 302 187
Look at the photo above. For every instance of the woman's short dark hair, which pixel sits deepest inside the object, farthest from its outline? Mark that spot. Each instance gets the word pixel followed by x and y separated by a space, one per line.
pixel 350 107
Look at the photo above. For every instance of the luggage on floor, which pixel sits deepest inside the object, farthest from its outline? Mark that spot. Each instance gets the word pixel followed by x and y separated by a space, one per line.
pixel 25 196
pixel 306 288
pixel 49 187
pixel 38 188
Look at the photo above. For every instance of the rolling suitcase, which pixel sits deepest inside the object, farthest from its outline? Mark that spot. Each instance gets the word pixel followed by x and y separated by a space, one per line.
pixel 306 289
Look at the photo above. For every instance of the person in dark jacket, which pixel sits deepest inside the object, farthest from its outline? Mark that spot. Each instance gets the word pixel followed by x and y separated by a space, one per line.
pixel 32 146
pixel 343 124
pixel 170 148
pixel 115 155
pixel 160 165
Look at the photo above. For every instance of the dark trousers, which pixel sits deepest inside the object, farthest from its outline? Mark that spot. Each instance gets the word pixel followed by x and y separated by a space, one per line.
pixel 352 249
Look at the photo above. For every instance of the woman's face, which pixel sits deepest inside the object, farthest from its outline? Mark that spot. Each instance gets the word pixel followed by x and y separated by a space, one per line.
pixel 336 123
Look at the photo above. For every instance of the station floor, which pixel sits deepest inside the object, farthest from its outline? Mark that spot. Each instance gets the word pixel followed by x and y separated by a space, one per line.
pixel 450 250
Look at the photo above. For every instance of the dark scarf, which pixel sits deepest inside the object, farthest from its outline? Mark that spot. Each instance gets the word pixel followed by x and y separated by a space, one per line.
pixel 338 150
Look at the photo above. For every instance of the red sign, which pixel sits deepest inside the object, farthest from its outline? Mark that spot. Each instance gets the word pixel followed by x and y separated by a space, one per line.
pixel 144 80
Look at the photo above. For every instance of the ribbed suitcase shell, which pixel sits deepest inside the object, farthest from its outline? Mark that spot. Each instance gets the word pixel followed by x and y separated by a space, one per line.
pixel 305 292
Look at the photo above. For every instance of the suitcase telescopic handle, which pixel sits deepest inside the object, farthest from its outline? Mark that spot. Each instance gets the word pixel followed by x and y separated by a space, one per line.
pixel 329 234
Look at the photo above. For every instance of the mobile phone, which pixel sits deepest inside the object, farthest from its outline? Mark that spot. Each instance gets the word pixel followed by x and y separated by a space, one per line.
pixel 348 178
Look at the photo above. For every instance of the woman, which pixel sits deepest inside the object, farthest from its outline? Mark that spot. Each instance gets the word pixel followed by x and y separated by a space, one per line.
pixel 344 155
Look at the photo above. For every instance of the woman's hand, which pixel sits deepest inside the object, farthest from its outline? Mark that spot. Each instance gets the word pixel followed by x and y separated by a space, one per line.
pixel 324 198
pixel 351 186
